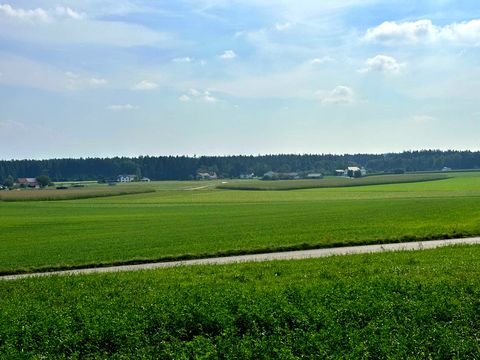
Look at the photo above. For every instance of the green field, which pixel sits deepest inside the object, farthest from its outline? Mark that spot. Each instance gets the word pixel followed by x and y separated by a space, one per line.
pixel 418 305
pixel 194 219
pixel 328 182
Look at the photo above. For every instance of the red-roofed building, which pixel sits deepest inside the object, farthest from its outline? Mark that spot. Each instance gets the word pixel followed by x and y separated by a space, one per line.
pixel 28 182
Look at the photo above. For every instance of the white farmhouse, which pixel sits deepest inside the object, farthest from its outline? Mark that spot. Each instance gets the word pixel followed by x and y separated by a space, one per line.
pixel 352 170
pixel 126 178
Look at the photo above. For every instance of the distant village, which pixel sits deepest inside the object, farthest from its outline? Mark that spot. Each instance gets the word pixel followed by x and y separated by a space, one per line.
pixel 118 170
pixel 351 171
pixel 44 181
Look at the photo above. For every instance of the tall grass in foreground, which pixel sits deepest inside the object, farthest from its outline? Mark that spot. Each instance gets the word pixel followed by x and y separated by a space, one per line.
pixel 396 305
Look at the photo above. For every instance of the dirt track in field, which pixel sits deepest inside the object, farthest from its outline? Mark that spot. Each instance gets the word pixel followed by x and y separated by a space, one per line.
pixel 287 255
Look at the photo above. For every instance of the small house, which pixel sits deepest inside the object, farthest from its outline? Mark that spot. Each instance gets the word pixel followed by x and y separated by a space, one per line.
pixel 355 171
pixel 314 176
pixel 340 172
pixel 207 176
pixel 27 182
pixel 126 178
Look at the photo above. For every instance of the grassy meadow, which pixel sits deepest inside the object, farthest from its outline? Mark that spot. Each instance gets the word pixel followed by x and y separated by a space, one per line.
pixel 196 219
pixel 329 182
pixel 405 305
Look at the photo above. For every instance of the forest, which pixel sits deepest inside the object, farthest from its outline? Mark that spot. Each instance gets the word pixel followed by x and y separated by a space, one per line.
pixel 187 167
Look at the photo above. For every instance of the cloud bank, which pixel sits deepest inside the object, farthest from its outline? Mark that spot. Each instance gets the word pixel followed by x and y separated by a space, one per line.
pixel 465 33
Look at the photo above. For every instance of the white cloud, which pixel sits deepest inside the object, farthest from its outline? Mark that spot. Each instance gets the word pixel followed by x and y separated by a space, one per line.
pixel 382 63
pixel 185 59
pixel 339 95
pixel 207 97
pixel 198 96
pixel 67 12
pixel 145 85
pixel 464 33
pixel 63 25
pixel 391 32
pixel 39 14
pixel 123 107
pixel 424 31
pixel 228 55
pixel 320 61
pixel 76 81
pixel 102 8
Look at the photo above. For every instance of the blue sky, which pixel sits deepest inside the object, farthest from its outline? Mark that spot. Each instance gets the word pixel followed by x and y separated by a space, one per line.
pixel 212 77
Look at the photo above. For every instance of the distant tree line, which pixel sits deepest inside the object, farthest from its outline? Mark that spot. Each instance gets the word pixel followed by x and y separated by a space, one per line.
pixel 184 168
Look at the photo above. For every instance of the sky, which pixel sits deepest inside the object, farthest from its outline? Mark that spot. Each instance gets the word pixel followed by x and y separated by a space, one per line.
pixel 102 78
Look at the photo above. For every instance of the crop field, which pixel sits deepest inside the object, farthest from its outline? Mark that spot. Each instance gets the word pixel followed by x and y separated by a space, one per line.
pixel 329 182
pixel 422 304
pixel 89 191
pixel 195 219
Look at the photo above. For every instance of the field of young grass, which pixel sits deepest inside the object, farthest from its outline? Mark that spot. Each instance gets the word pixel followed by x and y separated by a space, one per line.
pixel 89 191
pixel 329 182
pixel 193 219
pixel 422 305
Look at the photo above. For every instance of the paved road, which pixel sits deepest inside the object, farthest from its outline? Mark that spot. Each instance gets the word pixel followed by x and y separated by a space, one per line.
pixel 287 255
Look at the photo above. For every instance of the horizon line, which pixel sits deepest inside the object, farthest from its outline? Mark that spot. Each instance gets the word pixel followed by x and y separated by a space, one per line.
pixel 195 156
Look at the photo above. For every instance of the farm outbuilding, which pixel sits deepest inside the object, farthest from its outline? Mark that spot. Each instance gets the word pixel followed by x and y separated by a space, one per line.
pixel 355 171
pixel 126 178
pixel 27 182
pixel 207 176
